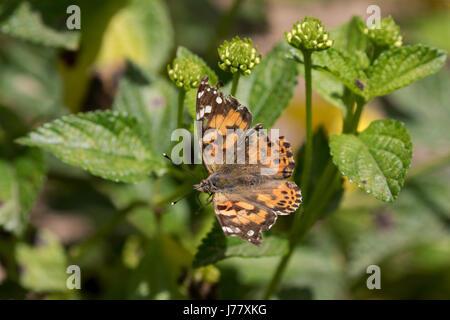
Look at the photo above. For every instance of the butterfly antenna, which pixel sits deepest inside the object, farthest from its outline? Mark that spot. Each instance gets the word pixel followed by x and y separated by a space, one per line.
pixel 176 201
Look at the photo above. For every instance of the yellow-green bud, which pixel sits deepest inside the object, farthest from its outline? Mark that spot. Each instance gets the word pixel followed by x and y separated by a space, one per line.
pixel 309 34
pixel 185 73
pixel 388 35
pixel 238 55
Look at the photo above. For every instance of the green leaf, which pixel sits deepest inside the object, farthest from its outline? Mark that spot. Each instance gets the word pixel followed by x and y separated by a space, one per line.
pixel 268 90
pixel 29 82
pixel 216 246
pixel 152 101
pixel 44 265
pixel 343 66
pixel 141 31
pixel 399 67
pixel 191 95
pixel 377 159
pixel 22 178
pixel 19 19
pixel 105 143
pixel 349 36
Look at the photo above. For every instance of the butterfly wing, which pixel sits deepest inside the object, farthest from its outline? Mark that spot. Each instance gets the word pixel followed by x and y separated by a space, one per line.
pixel 269 155
pixel 247 211
pixel 216 113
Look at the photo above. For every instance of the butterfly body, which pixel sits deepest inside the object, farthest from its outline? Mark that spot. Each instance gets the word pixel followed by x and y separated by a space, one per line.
pixel 246 167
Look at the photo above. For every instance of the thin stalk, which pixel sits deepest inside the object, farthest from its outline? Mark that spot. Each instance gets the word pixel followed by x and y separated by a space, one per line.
pixel 234 84
pixel 181 95
pixel 359 107
pixel 306 172
pixel 323 193
pixel 276 279
pixel 349 101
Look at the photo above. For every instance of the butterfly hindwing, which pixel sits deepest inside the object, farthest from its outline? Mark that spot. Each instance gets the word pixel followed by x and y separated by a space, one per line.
pixel 248 211
pixel 241 218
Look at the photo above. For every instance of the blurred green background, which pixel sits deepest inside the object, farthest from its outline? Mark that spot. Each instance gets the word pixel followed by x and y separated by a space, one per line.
pixel 47 71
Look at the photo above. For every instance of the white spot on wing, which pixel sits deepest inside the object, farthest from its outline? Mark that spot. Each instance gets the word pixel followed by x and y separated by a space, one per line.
pixel 200 94
pixel 219 100
pixel 208 109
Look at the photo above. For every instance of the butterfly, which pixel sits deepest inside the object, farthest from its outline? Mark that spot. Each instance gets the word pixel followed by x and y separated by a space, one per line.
pixel 246 166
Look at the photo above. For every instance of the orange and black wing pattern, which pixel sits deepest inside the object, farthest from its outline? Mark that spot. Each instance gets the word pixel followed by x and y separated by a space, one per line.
pixel 216 114
pixel 246 211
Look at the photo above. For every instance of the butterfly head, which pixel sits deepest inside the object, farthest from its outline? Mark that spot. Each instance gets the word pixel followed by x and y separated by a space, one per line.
pixel 205 186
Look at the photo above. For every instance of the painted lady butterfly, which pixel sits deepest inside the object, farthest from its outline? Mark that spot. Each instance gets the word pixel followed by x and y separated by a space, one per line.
pixel 247 195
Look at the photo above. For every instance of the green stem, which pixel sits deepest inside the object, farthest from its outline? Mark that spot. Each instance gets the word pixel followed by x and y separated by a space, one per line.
pixel 359 107
pixel 309 137
pixel 181 95
pixel 235 82
pixel 323 192
pixel 349 101
pixel 324 189
pixel 276 279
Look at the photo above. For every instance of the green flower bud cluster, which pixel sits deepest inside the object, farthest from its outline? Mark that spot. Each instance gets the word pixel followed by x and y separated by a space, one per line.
pixel 238 55
pixel 185 73
pixel 387 35
pixel 309 34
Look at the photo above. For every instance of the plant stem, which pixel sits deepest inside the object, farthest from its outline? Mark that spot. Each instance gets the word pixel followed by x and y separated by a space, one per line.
pixel 276 279
pixel 297 224
pixel 181 95
pixel 235 82
pixel 309 137
pixel 323 192
pixel 349 101
pixel 359 107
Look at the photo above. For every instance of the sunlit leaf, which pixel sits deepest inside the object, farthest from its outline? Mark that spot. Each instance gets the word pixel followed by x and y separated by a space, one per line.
pixel 377 159
pixel 21 181
pixel 43 265
pixel 19 19
pixel 105 143
pixel 345 67
pixel 399 67
pixel 140 31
